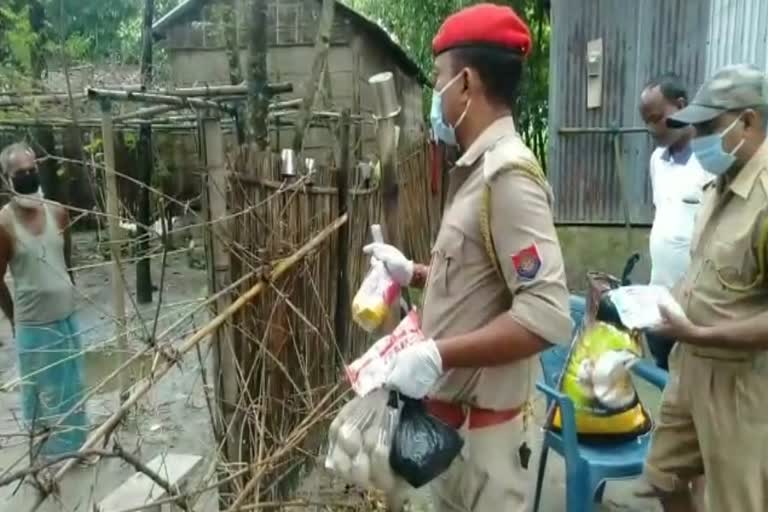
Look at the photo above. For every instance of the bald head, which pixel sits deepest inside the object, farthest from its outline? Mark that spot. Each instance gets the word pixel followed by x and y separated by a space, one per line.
pixel 17 156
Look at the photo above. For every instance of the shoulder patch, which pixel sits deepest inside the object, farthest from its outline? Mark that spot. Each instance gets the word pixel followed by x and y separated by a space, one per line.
pixel 527 262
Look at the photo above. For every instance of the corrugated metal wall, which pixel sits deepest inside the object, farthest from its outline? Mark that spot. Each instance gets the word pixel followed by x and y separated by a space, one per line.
pixel 738 33
pixel 640 39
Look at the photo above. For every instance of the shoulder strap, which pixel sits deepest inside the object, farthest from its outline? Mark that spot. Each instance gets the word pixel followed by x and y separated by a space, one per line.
pixel 530 167
pixel 762 252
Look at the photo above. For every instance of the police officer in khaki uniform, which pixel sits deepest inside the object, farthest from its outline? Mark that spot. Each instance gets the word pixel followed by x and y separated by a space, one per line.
pixel 495 292
pixel 714 412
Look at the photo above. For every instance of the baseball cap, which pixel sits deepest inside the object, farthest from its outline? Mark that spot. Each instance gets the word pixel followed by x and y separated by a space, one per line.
pixel 734 87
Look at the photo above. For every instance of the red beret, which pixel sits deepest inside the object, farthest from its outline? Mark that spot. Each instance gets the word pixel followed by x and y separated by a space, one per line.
pixel 483 25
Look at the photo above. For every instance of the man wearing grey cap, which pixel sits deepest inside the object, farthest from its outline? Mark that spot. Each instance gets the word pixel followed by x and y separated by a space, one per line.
pixel 714 412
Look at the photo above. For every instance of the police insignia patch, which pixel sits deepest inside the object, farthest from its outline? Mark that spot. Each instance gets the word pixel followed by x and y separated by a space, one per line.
pixel 527 262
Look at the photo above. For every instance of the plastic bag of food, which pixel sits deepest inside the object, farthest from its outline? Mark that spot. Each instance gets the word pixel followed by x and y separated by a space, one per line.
pixel 360 440
pixel 598 381
pixel 423 447
pixel 375 297
pixel 378 443
pixel 345 436
pixel 370 371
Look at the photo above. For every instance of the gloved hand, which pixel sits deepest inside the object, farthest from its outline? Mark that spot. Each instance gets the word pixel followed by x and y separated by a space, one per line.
pixel 415 370
pixel 398 266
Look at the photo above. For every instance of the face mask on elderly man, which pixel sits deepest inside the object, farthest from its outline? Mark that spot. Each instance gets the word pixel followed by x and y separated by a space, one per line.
pixel 26 187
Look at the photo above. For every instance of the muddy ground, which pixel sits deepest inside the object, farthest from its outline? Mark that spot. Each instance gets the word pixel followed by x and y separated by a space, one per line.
pixel 173 418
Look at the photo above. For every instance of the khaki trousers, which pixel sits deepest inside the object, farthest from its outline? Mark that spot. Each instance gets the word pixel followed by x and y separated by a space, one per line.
pixel 714 421
pixel 487 476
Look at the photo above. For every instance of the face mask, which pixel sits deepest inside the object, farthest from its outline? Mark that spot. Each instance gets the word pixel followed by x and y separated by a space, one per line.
pixel 443 131
pixel 26 185
pixel 710 154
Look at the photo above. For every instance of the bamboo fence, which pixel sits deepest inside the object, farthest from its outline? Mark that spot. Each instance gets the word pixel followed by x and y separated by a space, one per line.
pixel 288 351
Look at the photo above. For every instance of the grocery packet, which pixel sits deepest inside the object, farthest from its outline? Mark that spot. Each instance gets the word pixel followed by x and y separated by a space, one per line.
pixel 369 371
pixel 377 294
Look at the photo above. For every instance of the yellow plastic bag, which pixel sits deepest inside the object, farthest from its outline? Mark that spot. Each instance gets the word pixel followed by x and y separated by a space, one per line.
pixel 598 382
pixel 372 302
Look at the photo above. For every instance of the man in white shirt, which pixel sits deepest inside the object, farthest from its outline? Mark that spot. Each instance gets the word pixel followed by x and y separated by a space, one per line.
pixel 677 181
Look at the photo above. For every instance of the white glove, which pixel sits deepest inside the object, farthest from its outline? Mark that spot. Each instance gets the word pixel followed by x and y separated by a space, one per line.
pixel 416 369
pixel 398 266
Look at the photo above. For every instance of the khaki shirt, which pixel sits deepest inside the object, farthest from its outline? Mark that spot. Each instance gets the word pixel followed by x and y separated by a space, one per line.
pixel 464 291
pixel 722 282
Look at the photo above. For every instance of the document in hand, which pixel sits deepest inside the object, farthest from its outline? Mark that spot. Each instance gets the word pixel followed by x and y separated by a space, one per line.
pixel 638 306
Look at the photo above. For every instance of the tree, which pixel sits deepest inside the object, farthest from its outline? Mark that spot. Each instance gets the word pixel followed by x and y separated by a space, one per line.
pixel 258 97
pixel 413 23
pixel 145 160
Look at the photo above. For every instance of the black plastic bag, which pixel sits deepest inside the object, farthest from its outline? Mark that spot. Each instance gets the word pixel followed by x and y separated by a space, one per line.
pixel 423 447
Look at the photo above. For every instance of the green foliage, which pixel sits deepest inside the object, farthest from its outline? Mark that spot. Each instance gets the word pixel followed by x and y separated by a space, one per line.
pixel 413 23
pixel 33 33
pixel 19 37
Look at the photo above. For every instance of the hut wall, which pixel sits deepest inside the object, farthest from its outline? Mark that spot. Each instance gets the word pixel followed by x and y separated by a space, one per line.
pixel 197 56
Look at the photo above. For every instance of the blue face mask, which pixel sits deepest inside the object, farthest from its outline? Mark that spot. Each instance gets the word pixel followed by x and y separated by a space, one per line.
pixel 442 130
pixel 710 154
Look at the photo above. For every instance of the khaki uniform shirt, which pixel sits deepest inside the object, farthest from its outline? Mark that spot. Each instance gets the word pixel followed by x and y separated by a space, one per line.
pixel 722 283
pixel 464 291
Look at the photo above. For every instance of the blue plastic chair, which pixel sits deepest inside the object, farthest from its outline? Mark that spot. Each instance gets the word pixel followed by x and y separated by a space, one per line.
pixel 588 466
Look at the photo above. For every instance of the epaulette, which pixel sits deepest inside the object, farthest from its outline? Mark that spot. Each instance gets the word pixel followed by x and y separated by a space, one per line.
pixel 511 153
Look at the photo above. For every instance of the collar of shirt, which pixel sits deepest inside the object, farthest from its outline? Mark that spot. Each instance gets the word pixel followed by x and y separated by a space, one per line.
pixel 744 181
pixel 679 157
pixel 490 136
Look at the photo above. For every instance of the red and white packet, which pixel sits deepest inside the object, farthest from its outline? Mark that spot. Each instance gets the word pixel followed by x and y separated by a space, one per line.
pixel 369 371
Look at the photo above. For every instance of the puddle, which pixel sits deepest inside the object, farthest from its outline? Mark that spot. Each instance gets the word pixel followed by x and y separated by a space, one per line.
pixel 99 364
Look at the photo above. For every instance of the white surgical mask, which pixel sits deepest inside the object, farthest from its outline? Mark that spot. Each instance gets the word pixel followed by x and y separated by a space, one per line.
pixel 444 131
pixel 710 153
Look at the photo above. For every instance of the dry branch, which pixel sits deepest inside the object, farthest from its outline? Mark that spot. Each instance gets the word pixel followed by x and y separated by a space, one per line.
pixel 84 456
pixel 144 385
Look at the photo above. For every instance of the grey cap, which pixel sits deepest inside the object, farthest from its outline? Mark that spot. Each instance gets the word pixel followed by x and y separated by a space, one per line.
pixel 734 87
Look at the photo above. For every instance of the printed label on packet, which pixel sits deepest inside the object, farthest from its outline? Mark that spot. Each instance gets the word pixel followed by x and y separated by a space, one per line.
pixel 369 371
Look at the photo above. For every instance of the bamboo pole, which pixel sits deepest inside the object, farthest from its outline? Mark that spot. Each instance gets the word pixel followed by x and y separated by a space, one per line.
pixel 23 101
pixel 144 385
pixel 146 113
pixel 113 211
pixel 212 91
pixel 224 367
pixel 159 99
